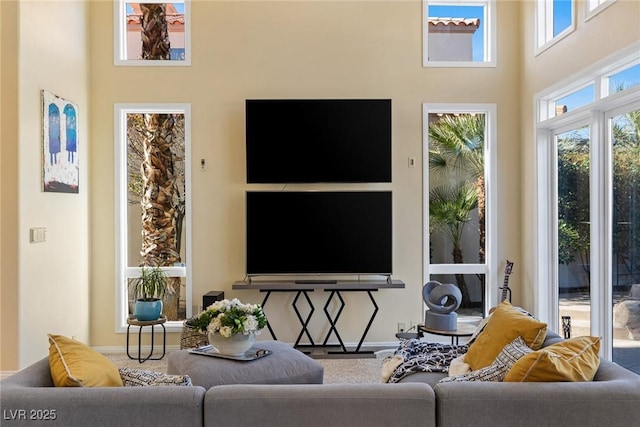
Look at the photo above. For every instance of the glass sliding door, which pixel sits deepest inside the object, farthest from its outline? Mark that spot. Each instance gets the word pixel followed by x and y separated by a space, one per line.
pixel 588 206
pixel 573 230
pixel 624 141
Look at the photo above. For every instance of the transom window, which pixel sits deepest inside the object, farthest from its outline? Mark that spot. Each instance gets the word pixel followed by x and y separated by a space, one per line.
pixel 626 78
pixel 554 21
pixel 575 99
pixel 596 6
pixel 154 32
pixel 459 33
pixel 620 73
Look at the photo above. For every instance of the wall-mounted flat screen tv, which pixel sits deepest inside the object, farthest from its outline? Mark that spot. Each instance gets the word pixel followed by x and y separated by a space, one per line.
pixel 318 140
pixel 314 232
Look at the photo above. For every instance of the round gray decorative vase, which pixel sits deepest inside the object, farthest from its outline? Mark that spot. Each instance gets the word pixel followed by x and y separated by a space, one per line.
pixel 235 345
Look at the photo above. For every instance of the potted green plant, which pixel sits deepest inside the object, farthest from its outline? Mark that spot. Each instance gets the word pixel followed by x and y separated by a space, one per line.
pixel 149 289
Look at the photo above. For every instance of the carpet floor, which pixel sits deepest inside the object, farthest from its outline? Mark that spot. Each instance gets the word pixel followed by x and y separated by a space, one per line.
pixel 336 371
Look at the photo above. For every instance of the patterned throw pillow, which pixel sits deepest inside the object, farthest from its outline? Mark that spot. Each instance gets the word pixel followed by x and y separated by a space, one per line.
pixel 140 377
pixel 497 371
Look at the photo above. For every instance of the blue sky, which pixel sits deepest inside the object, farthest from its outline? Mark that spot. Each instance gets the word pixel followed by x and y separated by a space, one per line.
pixel 561 15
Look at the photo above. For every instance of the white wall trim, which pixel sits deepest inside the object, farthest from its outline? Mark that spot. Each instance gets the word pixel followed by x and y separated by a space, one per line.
pixel 490 36
pixel 595 115
pixel 6 374
pixel 133 349
pixel 120 116
pixel 490 268
pixel 120 38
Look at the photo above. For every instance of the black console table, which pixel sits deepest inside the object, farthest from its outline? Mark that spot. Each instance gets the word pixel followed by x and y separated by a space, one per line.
pixel 334 289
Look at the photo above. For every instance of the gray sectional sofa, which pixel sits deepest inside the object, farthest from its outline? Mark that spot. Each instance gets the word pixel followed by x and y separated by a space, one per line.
pixel 612 399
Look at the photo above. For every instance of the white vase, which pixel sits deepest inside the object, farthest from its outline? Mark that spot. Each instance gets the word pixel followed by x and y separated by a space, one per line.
pixel 235 345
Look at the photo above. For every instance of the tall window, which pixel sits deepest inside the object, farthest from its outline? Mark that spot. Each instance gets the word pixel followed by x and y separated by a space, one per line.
pixel 460 200
pixel 589 203
pixel 554 21
pixel 153 223
pixel 573 235
pixel 154 32
pixel 459 33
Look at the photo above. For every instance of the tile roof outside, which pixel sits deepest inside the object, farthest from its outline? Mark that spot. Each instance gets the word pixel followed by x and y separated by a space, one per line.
pixel 456 22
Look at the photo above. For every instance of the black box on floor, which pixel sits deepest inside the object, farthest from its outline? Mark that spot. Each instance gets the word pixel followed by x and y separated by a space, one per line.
pixel 211 297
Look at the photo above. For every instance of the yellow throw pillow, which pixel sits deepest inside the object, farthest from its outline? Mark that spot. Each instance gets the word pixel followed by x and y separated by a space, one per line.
pixel 74 364
pixel 575 359
pixel 505 324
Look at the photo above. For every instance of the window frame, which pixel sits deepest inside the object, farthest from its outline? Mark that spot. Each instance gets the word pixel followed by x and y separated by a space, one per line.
pixel 490 38
pixel 120 38
pixel 594 7
pixel 123 271
pixel 490 267
pixel 596 74
pixel 544 38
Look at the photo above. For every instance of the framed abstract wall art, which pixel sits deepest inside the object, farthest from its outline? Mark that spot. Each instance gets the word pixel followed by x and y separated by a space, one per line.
pixel 60 168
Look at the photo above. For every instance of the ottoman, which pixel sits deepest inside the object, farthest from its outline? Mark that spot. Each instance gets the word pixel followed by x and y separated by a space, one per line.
pixel 285 365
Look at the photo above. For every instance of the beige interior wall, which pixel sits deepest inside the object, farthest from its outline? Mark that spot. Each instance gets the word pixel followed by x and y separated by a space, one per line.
pixel 53 276
pixel 8 187
pixel 613 29
pixel 251 50
pixel 297 49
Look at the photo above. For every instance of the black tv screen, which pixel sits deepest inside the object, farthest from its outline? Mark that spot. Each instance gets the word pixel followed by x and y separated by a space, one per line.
pixel 312 232
pixel 320 140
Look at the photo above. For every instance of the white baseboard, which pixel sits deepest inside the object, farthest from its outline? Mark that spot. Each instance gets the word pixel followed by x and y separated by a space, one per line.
pixel 5 374
pixel 133 349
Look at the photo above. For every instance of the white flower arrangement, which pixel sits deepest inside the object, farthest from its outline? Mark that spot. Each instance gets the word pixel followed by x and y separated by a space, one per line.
pixel 229 317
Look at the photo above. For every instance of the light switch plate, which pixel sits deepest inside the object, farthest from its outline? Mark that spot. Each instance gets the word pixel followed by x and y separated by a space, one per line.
pixel 38 234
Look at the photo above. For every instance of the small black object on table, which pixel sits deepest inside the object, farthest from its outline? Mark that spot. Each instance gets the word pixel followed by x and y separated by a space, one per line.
pixel 132 321
pixel 211 297
pixel 409 335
